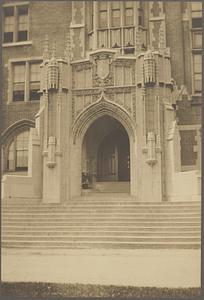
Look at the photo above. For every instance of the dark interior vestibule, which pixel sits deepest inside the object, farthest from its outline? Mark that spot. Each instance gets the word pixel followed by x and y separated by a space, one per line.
pixel 106 152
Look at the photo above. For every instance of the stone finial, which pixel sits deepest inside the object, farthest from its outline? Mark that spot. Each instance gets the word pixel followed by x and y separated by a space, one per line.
pixel 149 68
pixel 183 94
pixel 67 50
pixel 151 149
pixel 138 40
pixel 46 48
pixel 162 40
pixel 167 52
pixel 149 55
pixel 51 162
pixel 53 56
pixel 150 48
pixel 53 71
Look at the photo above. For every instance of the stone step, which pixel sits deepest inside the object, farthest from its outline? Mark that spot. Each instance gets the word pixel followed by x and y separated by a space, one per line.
pixel 50 233
pixel 73 214
pixel 103 222
pixel 103 227
pixel 125 197
pixel 98 200
pixel 91 214
pixel 87 222
pixel 89 238
pixel 99 219
pixel 99 245
pixel 127 208
pixel 110 187
pixel 100 207
pixel 101 212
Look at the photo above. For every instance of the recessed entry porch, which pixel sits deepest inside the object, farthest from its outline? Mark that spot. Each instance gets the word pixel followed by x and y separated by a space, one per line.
pixel 106 157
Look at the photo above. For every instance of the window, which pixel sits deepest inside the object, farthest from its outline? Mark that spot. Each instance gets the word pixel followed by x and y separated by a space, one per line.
pixel 196 14
pixel 129 13
pixel 196 23
pixel 15 24
pixel 103 15
pixel 26 81
pixel 8 24
pixel 17 157
pixel 22 23
pixel 117 25
pixel 188 155
pixel 115 14
pixel 197 40
pixel 197 69
pixel 34 81
pixel 140 17
pixel 19 82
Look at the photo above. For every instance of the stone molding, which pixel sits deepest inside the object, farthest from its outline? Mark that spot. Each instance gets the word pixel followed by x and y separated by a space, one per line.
pixel 16 128
pixel 98 109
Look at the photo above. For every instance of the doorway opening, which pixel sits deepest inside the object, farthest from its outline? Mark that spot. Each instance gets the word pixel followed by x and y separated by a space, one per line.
pixel 106 157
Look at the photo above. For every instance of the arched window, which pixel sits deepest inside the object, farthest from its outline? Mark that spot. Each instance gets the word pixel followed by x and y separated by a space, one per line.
pixel 17 155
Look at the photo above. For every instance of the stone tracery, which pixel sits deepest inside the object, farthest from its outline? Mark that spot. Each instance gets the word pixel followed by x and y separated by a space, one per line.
pixel 97 110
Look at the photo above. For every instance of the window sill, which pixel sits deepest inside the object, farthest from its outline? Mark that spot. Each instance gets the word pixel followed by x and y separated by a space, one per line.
pixel 90 32
pixel 198 50
pixel 188 168
pixel 19 173
pixel 196 99
pixel 72 26
pixel 25 43
pixel 196 29
pixel 23 102
pixel 197 95
pixel 142 27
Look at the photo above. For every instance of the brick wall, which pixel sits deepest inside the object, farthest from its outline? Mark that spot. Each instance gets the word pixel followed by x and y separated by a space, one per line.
pixel 174 38
pixel 15 112
pixel 45 17
pixel 52 18
pixel 188 114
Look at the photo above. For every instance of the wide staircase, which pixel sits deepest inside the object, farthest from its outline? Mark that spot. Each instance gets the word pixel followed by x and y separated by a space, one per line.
pixel 101 221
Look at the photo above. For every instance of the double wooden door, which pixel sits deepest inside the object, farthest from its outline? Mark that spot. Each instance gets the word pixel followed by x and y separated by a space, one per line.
pixel 114 158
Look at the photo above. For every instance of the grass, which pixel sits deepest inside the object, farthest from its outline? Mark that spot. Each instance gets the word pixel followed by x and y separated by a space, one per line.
pixel 35 289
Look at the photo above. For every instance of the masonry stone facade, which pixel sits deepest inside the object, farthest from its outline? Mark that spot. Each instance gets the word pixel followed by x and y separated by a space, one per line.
pixel 111 93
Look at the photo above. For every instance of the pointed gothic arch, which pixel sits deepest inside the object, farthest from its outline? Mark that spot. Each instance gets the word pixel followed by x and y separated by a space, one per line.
pixel 16 128
pixel 97 110
pixel 7 139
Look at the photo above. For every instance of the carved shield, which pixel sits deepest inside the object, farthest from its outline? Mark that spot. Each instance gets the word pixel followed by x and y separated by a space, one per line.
pixel 103 68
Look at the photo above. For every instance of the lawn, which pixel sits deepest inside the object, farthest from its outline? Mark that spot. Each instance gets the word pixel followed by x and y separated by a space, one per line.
pixel 35 289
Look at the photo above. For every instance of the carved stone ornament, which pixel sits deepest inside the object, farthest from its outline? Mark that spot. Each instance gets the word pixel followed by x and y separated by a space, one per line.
pixel 51 162
pixel 85 92
pixel 82 66
pixel 102 69
pixel 124 62
pixel 151 149
pixel 98 109
pixel 121 89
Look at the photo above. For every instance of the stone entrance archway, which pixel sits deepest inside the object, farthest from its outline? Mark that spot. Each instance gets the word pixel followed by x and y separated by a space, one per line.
pixel 105 153
pixel 87 142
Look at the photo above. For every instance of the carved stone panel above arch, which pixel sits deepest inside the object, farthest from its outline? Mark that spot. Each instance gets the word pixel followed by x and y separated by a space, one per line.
pixel 97 110
pixel 124 97
pixel 103 69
